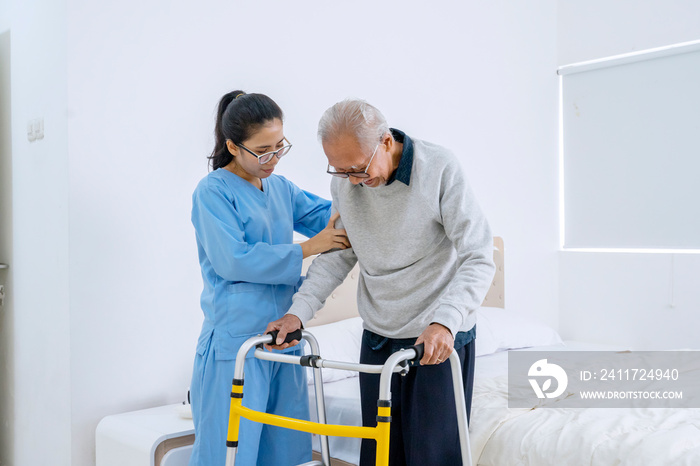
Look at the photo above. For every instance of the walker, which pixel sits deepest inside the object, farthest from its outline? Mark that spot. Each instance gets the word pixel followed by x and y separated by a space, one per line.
pixel 397 362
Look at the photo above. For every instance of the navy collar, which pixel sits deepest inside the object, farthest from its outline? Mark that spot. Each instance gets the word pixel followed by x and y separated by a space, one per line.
pixel 403 171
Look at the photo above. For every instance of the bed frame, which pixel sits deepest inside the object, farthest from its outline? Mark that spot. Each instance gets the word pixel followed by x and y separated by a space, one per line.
pixel 342 303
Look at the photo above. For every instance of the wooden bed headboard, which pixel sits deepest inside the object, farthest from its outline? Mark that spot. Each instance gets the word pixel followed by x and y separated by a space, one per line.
pixel 342 303
pixel 496 296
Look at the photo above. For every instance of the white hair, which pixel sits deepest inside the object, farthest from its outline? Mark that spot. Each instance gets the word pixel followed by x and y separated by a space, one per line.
pixel 356 118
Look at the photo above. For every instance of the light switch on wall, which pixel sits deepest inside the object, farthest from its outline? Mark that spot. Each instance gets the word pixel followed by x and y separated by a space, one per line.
pixel 35 129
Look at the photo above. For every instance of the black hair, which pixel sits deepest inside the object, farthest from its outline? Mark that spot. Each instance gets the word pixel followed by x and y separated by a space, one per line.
pixel 239 115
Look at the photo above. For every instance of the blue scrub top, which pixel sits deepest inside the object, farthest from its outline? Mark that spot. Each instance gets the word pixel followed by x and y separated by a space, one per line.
pixel 250 266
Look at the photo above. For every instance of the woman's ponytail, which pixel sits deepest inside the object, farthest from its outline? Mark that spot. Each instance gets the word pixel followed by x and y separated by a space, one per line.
pixel 238 116
pixel 220 156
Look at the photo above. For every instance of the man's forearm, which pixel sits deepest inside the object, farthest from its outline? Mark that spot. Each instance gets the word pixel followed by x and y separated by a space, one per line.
pixel 326 273
pixel 465 293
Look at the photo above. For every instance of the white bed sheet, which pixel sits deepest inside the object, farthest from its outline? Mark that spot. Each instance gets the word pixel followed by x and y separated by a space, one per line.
pixel 500 435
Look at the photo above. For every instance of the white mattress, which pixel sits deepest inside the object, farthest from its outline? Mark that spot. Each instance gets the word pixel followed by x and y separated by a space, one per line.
pixel 503 436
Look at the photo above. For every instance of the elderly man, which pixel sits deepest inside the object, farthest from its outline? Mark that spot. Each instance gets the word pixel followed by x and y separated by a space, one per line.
pixel 425 254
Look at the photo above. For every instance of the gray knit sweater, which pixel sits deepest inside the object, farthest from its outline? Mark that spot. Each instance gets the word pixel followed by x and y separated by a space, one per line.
pixel 425 250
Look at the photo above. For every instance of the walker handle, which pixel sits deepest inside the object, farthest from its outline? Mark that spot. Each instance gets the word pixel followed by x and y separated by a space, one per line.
pixel 419 349
pixel 295 335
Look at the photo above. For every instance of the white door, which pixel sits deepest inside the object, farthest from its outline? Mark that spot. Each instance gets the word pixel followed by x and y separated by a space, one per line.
pixel 6 316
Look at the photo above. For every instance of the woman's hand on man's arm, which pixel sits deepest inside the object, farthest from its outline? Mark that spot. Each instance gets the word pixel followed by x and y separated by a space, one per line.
pixel 327 239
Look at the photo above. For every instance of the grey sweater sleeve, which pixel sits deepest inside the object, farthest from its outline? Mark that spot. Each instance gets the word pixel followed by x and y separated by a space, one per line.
pixel 325 274
pixel 466 226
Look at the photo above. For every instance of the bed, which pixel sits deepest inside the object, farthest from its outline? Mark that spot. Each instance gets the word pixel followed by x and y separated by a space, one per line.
pixel 501 435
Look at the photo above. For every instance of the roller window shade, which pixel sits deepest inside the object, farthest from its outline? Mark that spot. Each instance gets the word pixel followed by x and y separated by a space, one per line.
pixel 631 153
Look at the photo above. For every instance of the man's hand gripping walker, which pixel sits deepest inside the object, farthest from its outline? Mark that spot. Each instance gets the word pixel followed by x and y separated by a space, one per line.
pixel 397 362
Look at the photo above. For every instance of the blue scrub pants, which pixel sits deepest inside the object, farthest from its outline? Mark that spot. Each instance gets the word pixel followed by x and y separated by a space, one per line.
pixel 424 421
pixel 269 387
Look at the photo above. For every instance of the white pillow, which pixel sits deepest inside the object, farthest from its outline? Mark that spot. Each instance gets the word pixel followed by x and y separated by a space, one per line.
pixel 500 329
pixel 339 341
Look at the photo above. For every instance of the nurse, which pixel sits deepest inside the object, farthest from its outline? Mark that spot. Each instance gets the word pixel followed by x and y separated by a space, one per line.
pixel 244 218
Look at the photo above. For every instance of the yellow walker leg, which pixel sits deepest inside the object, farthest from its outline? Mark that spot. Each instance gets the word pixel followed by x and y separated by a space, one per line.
pixel 234 421
pixel 383 431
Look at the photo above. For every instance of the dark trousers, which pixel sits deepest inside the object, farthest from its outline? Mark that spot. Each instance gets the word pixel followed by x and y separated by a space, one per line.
pixel 424 422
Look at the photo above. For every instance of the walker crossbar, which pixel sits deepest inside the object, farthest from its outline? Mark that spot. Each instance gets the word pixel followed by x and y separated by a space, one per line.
pixel 307 426
pixel 397 362
pixel 317 362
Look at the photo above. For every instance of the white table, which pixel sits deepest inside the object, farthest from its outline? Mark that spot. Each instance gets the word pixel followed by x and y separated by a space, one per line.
pixel 150 437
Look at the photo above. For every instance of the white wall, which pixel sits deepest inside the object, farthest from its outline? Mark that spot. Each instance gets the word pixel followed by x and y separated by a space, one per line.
pixel 598 28
pixel 142 80
pixel 41 433
pixel 645 301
